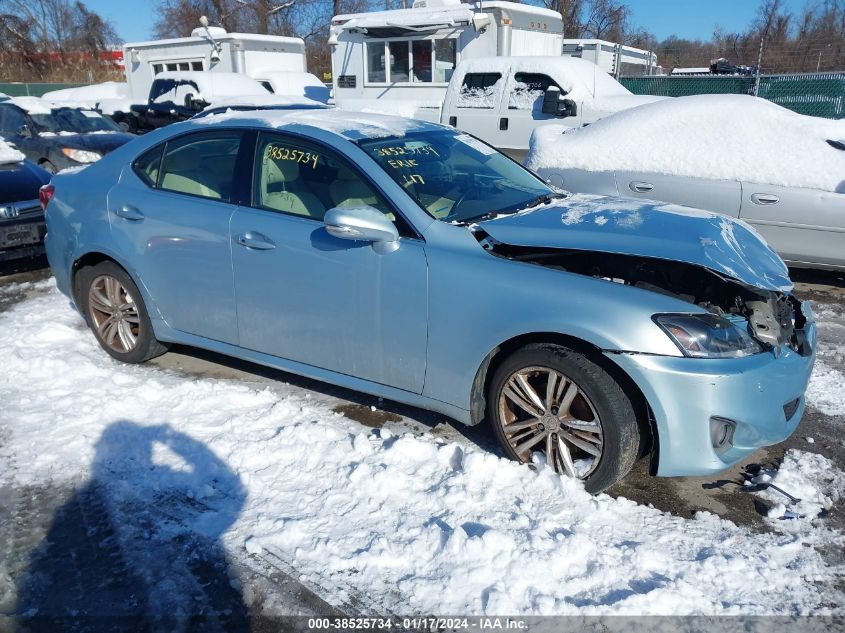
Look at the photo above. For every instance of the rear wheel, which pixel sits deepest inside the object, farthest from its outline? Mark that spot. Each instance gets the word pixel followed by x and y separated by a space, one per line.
pixel 116 313
pixel 558 402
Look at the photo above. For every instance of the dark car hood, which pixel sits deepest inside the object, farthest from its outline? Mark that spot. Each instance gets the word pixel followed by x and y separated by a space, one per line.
pixel 647 229
pixel 102 143
pixel 19 182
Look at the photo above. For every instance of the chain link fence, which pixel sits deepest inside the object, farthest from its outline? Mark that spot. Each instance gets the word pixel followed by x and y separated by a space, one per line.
pixel 32 89
pixel 816 94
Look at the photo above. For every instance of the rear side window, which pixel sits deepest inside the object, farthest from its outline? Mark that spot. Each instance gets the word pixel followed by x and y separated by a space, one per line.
pixel 201 164
pixel 479 90
pixel 147 165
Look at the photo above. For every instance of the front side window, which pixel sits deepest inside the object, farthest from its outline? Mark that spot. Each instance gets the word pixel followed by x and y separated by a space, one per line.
pixel 528 90
pixel 455 177
pixel 479 90
pixel 296 177
pixel 202 164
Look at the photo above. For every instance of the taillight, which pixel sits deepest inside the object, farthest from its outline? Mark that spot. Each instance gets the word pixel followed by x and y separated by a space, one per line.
pixel 45 194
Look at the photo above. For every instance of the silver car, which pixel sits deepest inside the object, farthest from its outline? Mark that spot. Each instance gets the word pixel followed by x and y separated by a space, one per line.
pixel 709 158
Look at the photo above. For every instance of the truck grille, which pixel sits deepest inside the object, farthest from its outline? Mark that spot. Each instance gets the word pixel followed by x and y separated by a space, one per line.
pixel 18 209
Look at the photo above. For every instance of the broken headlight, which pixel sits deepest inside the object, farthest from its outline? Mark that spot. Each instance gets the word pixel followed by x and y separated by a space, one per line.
pixel 708 335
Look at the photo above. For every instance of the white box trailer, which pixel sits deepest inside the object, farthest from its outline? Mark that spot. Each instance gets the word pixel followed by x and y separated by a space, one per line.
pixel 609 56
pixel 407 56
pixel 211 49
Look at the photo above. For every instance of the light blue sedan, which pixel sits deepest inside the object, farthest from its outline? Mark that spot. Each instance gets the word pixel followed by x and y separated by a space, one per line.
pixel 410 261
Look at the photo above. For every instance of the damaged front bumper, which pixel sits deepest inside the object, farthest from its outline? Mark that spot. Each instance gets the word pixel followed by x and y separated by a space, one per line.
pixel 712 413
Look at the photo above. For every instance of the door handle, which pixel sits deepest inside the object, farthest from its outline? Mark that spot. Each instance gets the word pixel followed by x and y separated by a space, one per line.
pixel 641 187
pixel 255 241
pixel 129 212
pixel 764 198
pixel 503 123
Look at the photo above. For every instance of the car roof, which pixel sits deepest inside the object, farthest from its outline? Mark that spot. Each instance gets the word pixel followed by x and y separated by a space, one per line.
pixel 353 126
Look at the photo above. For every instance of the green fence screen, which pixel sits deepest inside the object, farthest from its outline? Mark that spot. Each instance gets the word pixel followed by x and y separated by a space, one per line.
pixel 32 90
pixel 817 94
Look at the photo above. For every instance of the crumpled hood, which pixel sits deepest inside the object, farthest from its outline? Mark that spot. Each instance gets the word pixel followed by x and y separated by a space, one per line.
pixel 647 229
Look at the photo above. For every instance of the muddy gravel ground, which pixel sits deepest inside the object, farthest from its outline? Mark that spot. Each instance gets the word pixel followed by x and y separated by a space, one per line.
pixel 28 514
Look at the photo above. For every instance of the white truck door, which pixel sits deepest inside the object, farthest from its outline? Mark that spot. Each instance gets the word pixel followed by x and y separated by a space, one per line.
pixel 473 106
pixel 521 111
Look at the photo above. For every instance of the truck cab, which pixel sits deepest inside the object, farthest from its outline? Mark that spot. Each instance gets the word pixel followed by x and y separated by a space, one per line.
pixel 501 100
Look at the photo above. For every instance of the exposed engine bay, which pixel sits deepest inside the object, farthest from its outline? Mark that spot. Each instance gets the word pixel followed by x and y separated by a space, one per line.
pixel 774 318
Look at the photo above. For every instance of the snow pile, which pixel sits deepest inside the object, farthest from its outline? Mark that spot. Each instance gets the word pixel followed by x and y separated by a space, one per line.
pixel 8 153
pixel 409 108
pixel 353 125
pixel 414 523
pixel 727 137
pixel 812 479
pixel 826 392
pixel 108 97
pixel 90 94
pixel 33 105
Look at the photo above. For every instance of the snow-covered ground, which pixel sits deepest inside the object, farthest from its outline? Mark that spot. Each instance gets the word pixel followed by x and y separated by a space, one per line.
pixel 402 523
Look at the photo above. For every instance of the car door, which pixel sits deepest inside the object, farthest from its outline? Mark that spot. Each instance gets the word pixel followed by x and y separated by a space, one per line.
pixel 12 120
pixel 475 107
pixel 170 215
pixel 309 297
pixel 522 111
pixel 719 196
pixel 802 225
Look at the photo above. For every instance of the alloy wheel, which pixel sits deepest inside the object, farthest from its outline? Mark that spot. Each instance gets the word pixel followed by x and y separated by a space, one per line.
pixel 114 313
pixel 541 409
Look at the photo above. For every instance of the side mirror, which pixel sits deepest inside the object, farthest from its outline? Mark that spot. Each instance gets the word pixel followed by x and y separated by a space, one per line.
pixel 364 224
pixel 192 103
pixel 568 108
pixel 25 131
pixel 551 101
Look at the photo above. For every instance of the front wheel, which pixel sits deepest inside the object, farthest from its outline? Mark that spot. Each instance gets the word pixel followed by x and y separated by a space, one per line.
pixel 116 313
pixel 556 401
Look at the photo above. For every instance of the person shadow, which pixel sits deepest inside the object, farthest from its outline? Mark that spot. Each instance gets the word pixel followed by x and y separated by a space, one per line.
pixel 138 548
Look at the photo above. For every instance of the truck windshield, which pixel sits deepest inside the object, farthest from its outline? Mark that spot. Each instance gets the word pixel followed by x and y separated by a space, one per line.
pixel 456 177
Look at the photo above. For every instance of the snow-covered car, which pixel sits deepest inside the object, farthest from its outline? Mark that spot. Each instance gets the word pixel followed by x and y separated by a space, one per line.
pixel 110 98
pixel 412 261
pixel 21 216
pixel 292 84
pixel 179 95
pixel 781 172
pixel 57 137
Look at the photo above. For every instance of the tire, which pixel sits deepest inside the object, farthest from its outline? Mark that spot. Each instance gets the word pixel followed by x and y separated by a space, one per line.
pixel 598 416
pixel 116 314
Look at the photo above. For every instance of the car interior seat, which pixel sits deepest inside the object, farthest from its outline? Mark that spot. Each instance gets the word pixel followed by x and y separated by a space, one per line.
pixel 183 173
pixel 283 190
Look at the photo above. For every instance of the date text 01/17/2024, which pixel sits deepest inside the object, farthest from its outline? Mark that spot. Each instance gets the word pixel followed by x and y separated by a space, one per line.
pixel 416 623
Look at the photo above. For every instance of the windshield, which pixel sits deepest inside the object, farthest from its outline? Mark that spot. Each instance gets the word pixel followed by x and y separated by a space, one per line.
pixel 456 177
pixel 70 121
